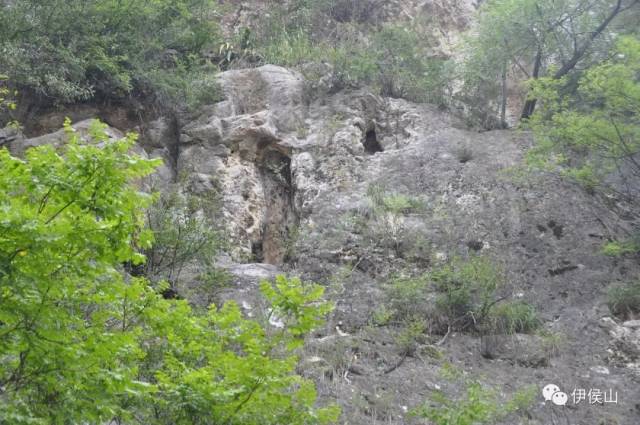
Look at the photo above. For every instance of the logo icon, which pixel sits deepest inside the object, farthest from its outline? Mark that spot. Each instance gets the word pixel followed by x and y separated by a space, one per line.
pixel 559 398
pixel 551 392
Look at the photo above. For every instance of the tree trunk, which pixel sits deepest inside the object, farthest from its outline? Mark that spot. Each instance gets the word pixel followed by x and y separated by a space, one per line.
pixel 530 104
pixel 580 52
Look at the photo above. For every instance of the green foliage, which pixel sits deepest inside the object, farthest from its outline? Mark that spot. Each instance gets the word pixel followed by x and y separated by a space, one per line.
pixel 450 372
pixel 404 67
pixel 7 103
pixel 620 248
pixel 186 85
pixel 552 342
pixel 67 220
pixel 480 405
pixel 222 368
pixel 398 204
pixel 513 317
pixel 467 289
pixel 458 294
pixel 411 335
pixel 290 49
pixel 186 238
pixel 593 133
pixel 6 95
pixel 185 234
pixel 391 58
pixel 407 297
pixel 624 300
pixel 521 39
pixel 69 51
pixel 382 316
pixel 386 222
pixel 298 306
pixel 79 343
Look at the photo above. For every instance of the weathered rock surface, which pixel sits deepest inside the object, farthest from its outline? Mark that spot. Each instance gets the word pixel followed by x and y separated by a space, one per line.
pixel 297 176
pixel 294 174
pixel 624 346
pixel 242 147
pixel 20 144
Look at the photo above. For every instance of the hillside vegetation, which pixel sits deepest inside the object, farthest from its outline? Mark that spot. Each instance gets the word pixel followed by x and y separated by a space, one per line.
pixel 114 288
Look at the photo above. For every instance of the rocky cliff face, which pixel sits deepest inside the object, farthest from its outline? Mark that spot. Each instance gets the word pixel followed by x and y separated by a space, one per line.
pixel 298 177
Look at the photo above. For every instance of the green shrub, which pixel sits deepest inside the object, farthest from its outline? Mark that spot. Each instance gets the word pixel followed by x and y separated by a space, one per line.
pixel 6 95
pixel 385 224
pixel 620 248
pixel 552 342
pixel 382 316
pixel 513 317
pixel 290 49
pixel 74 50
pixel 102 347
pixel 407 297
pixel 183 86
pixel 185 234
pixel 589 134
pixel 467 290
pixel 401 204
pixel 404 68
pixel 390 58
pixel 411 335
pixel 624 300
pixel 480 405
pixel 459 294
pixel 396 204
pixel 353 63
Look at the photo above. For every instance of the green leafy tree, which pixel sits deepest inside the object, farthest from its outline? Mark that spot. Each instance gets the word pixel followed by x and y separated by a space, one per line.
pixel 82 342
pixel 536 39
pixel 66 221
pixel 67 51
pixel 592 136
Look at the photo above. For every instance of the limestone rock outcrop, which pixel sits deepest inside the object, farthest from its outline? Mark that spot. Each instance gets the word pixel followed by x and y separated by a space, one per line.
pixel 300 181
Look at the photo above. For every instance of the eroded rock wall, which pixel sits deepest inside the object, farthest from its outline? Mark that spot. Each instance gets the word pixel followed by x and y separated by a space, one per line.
pixel 296 178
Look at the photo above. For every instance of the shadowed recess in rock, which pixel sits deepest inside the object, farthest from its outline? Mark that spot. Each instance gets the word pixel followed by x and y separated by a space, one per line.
pixel 279 214
pixel 370 142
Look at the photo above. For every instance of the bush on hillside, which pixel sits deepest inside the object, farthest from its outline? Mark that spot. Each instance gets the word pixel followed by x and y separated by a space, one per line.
pixel 70 51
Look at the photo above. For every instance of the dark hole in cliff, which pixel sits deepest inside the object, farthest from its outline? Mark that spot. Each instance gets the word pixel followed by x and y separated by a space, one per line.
pixel 256 251
pixel 279 216
pixel 170 294
pixel 475 245
pixel 371 144
pixel 556 228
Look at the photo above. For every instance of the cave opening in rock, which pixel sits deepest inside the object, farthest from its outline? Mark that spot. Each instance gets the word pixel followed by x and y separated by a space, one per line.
pixel 280 216
pixel 256 252
pixel 370 142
